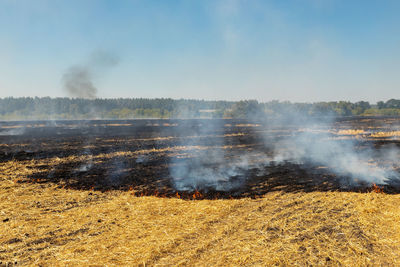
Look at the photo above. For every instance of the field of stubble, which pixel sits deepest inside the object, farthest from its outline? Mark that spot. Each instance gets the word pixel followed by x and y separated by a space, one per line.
pixel 101 193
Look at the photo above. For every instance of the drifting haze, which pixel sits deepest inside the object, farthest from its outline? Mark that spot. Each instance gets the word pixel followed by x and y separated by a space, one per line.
pixel 228 49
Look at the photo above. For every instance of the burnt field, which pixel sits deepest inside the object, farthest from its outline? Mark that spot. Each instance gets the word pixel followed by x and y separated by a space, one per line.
pixel 139 155
pixel 200 192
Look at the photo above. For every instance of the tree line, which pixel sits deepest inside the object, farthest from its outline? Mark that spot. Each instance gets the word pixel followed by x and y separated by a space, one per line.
pixel 30 108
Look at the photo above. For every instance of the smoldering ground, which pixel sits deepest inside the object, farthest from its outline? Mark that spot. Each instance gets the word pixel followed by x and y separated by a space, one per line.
pixel 301 139
pixel 235 158
pixel 210 161
pixel 11 132
pixel 209 164
pixel 343 157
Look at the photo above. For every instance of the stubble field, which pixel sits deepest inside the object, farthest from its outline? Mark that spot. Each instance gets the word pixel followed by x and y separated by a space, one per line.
pixel 108 193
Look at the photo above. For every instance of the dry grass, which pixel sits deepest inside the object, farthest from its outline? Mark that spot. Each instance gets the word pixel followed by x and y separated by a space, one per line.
pixel 386 134
pixel 41 224
pixel 364 134
pixel 351 132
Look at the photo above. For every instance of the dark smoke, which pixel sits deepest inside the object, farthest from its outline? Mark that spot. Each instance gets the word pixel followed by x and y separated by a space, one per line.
pixel 78 79
pixel 78 82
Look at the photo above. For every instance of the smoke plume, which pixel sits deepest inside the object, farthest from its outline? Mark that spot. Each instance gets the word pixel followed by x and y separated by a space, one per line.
pixel 78 79
pixel 78 82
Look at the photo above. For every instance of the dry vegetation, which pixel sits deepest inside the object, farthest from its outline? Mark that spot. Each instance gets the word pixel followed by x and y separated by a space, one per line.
pixel 386 134
pixel 371 133
pixel 43 224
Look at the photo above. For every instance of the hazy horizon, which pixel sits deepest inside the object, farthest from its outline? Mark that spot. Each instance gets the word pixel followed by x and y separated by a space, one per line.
pixel 298 51
pixel 201 99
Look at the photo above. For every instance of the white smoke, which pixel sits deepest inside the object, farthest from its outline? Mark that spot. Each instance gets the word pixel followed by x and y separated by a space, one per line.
pixel 296 139
pixel 210 170
pixel 340 156
pixel 15 131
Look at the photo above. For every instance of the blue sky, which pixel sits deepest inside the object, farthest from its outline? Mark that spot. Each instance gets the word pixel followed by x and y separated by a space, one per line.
pixel 300 50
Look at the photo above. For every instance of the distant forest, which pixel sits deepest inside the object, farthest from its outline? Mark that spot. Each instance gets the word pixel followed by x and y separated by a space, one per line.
pixel 44 108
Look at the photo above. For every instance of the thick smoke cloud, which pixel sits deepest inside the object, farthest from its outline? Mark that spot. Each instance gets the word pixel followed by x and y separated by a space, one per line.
pixel 78 79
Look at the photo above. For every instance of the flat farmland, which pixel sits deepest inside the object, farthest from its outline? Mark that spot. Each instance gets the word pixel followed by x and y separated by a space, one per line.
pixel 200 192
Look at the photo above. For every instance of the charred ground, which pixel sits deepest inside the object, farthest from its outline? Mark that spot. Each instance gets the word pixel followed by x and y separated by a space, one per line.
pixel 136 155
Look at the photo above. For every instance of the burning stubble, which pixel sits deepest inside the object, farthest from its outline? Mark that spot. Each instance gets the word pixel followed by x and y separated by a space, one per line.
pixel 342 157
pixel 216 168
pixel 306 141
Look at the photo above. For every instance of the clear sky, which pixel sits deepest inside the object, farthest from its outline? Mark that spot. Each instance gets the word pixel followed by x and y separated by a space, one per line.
pixel 300 50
